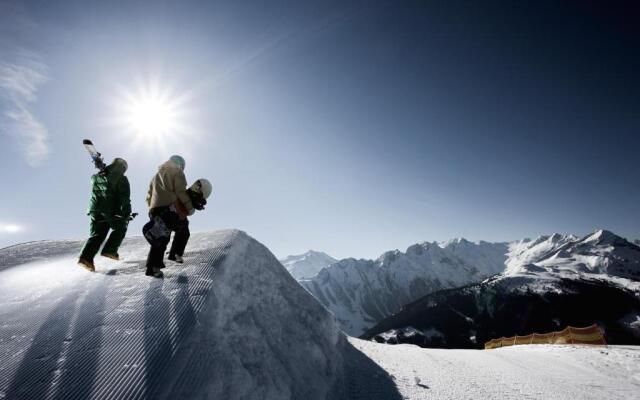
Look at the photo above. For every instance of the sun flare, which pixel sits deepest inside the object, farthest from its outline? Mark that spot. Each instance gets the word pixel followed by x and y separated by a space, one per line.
pixel 153 115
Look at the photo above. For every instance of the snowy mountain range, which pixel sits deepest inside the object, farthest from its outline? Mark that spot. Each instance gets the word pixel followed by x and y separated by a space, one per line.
pixel 600 255
pixel 549 283
pixel 307 265
pixel 362 292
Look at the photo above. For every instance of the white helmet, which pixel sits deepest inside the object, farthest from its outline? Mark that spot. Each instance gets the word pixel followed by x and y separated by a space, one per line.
pixel 202 186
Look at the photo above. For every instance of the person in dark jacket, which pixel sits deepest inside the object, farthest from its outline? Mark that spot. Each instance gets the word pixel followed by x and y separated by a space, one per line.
pixel 109 208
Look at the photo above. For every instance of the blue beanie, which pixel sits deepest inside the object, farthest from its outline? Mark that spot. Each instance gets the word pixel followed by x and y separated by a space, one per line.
pixel 178 160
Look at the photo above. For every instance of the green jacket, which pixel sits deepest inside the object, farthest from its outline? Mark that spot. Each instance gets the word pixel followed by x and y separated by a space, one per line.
pixel 110 193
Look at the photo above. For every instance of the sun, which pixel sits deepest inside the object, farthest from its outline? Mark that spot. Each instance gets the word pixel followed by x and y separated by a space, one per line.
pixel 152 115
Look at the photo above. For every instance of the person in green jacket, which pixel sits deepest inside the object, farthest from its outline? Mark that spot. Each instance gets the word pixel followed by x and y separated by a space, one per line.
pixel 109 208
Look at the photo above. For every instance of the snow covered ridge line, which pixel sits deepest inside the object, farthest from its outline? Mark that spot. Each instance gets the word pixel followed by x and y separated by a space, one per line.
pixel 229 323
pixel 362 292
pixel 601 254
pixel 562 281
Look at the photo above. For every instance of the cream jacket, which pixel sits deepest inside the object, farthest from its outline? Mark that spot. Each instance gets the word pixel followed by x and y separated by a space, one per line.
pixel 168 186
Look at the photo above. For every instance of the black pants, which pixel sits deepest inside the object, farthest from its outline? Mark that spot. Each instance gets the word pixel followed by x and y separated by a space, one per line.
pixel 155 259
pixel 98 231
pixel 180 239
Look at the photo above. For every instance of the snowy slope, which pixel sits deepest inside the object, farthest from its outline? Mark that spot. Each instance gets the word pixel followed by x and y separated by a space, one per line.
pixel 307 265
pixel 362 292
pixel 600 255
pixel 511 373
pixel 230 323
pixel 527 251
pixel 549 283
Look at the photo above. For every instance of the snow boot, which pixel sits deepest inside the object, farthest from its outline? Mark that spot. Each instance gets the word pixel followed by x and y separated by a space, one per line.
pixel 86 264
pixel 176 258
pixel 111 256
pixel 155 272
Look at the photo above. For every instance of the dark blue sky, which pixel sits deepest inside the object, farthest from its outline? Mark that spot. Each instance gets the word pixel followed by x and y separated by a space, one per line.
pixel 349 127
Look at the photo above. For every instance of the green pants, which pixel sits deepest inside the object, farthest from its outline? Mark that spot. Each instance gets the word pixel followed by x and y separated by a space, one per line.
pixel 98 230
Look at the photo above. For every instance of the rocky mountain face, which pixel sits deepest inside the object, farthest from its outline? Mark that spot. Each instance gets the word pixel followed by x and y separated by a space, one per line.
pixel 362 292
pixel 307 265
pixel 549 283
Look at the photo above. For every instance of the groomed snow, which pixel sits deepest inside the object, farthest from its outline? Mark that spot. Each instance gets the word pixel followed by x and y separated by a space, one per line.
pixel 230 323
pixel 518 372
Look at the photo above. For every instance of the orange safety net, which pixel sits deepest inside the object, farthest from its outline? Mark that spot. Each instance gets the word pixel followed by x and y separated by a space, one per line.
pixel 570 335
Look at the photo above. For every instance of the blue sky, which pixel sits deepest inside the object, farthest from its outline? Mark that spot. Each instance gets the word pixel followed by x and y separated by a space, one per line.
pixel 347 127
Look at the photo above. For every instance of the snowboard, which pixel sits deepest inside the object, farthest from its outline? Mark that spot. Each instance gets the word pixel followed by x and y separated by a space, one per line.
pixel 156 231
pixel 96 157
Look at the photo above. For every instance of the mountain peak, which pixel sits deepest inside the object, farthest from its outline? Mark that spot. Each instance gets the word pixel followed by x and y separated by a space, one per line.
pixel 454 242
pixel 306 265
pixel 316 253
pixel 603 236
pixel 555 237
pixel 306 254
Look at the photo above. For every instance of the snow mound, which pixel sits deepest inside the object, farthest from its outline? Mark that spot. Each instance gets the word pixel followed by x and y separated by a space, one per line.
pixel 230 323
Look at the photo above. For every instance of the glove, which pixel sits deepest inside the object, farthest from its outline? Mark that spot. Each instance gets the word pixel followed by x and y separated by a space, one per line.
pixel 199 205
pixel 197 200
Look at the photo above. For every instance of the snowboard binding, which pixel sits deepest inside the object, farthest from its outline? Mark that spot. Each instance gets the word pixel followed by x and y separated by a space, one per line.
pixel 96 157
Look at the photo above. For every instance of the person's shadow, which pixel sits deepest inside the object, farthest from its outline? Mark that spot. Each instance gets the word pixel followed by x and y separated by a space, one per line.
pixel 80 368
pixel 157 338
pixel 38 371
pixel 167 323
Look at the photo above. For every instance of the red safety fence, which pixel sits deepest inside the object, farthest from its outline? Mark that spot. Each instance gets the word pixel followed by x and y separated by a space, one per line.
pixel 570 335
